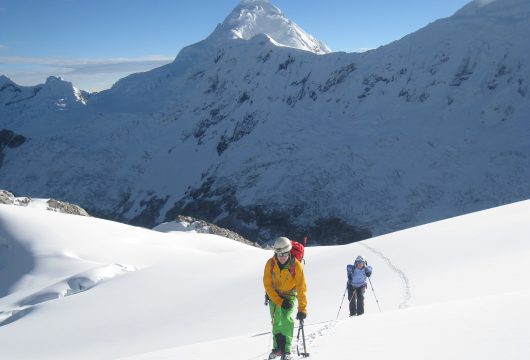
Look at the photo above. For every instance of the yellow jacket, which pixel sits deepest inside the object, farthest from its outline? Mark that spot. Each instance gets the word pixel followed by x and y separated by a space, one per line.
pixel 281 283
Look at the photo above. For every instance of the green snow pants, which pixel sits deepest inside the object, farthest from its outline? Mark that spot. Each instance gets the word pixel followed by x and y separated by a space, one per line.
pixel 282 325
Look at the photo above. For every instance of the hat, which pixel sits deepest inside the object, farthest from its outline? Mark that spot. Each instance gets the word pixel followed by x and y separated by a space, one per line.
pixel 282 245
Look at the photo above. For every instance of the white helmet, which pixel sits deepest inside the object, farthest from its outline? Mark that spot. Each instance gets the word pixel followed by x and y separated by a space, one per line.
pixel 360 259
pixel 282 245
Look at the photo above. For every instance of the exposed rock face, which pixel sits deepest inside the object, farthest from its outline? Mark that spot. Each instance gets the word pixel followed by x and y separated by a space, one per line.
pixel 66 208
pixel 266 223
pixel 8 198
pixel 203 227
pixel 9 140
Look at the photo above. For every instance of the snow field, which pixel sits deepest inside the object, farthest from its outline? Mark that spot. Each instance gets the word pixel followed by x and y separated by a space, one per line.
pixel 87 288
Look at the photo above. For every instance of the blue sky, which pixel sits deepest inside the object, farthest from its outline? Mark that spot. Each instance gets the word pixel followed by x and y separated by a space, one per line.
pixel 93 43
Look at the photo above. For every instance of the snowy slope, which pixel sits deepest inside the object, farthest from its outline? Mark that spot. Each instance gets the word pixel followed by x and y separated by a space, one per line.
pixel 266 139
pixel 85 288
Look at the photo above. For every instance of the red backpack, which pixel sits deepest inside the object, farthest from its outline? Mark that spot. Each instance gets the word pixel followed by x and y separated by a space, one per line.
pixel 297 250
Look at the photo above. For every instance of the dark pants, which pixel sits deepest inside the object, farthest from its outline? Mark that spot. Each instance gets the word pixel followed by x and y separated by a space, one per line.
pixel 356 298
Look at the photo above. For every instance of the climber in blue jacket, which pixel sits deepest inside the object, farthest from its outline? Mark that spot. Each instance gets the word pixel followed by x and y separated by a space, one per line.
pixel 357 275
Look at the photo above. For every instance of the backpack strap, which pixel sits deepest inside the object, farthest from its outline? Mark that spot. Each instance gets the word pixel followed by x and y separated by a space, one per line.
pixel 272 274
pixel 292 266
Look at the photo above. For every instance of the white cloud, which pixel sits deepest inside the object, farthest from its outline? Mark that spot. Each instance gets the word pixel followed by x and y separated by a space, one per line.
pixel 87 74
pixel 80 64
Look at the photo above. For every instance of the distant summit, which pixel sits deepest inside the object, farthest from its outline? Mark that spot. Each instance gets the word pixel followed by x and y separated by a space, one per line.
pixel 253 17
pixel 62 92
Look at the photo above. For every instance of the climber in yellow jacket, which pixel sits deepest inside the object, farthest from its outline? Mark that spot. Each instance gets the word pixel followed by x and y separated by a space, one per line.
pixel 284 282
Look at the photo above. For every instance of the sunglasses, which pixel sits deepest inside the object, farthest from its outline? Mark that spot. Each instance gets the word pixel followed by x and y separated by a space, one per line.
pixel 285 254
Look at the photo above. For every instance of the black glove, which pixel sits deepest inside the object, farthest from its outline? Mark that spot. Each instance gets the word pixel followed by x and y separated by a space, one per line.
pixel 286 304
pixel 301 315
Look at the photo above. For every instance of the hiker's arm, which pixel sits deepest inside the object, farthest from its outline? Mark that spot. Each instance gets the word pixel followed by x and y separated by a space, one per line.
pixel 267 283
pixel 349 271
pixel 301 288
pixel 368 271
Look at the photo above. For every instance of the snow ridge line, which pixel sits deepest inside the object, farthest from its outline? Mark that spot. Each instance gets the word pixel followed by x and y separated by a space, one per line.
pixel 404 279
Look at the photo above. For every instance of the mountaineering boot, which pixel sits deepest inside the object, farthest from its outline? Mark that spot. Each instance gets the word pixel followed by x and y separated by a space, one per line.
pixel 274 353
pixel 280 343
pixel 286 356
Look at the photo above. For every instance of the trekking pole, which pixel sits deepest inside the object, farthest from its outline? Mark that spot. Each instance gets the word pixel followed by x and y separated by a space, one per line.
pixel 298 341
pixel 373 292
pixel 343 296
pixel 305 353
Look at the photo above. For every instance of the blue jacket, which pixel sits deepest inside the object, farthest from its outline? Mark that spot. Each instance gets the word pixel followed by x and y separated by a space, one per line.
pixel 357 277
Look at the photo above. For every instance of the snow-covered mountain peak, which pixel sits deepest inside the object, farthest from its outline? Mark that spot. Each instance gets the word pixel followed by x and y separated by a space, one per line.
pixel 56 82
pixel 253 17
pixel 63 90
pixel 515 9
pixel 54 95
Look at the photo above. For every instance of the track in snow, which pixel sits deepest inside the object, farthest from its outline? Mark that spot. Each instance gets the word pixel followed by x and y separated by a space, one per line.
pixel 407 294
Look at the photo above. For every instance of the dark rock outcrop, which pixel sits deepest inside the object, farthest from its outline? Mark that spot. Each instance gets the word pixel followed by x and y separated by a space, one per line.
pixel 204 227
pixel 8 198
